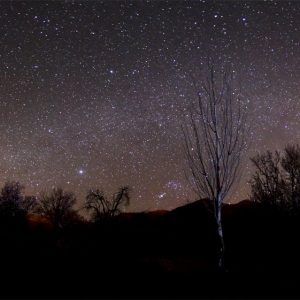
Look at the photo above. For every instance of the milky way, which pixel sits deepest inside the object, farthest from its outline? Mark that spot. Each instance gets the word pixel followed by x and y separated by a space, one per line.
pixel 93 93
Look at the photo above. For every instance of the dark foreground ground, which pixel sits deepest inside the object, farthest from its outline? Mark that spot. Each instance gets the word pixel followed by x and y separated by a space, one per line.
pixel 156 255
pixel 77 283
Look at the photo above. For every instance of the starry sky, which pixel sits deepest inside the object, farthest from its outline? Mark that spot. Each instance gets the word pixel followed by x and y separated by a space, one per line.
pixel 93 93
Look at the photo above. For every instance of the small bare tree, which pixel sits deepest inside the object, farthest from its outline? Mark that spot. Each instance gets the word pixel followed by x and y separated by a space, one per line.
pixel 58 205
pixel 102 208
pixel 214 140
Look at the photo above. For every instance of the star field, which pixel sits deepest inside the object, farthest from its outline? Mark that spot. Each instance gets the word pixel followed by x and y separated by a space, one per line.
pixel 93 93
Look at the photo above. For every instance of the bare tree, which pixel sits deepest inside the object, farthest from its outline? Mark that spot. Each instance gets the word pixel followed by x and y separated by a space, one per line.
pixel 11 199
pixel 58 205
pixel 291 165
pixel 29 204
pixel 102 208
pixel 214 140
pixel 267 182
pixel 276 180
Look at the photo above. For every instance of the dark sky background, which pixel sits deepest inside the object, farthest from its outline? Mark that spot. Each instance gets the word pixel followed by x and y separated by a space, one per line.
pixel 93 93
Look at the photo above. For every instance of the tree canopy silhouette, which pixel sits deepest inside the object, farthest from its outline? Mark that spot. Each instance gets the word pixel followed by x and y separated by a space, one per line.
pixel 11 199
pixel 276 180
pixel 13 202
pixel 58 206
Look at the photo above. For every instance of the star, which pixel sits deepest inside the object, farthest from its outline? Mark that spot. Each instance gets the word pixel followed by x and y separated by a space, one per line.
pixel 161 195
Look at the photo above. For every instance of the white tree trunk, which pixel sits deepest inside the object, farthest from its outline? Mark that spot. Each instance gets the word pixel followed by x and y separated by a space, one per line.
pixel 218 210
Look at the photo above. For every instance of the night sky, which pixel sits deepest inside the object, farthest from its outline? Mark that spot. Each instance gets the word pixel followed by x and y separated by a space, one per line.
pixel 93 93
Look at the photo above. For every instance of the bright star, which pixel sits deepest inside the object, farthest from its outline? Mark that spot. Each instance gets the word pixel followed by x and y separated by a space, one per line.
pixel 161 195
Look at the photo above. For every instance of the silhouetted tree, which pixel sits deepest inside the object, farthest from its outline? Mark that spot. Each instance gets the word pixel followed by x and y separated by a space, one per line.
pixel 101 208
pixel 267 183
pixel 11 199
pixel 291 165
pixel 276 180
pixel 29 204
pixel 58 205
pixel 214 141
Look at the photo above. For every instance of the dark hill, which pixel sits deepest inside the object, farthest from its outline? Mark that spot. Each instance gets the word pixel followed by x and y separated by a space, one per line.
pixel 257 238
pixel 162 253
